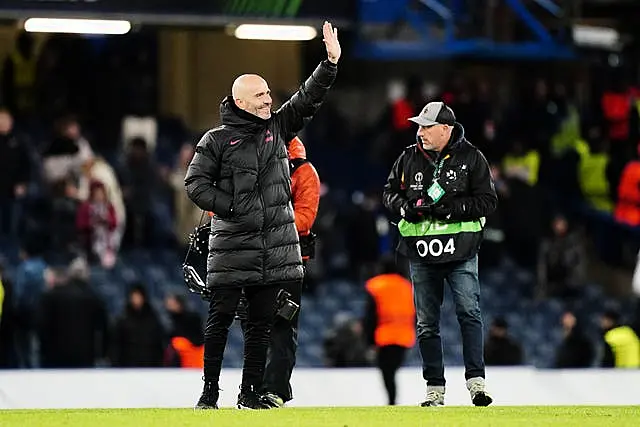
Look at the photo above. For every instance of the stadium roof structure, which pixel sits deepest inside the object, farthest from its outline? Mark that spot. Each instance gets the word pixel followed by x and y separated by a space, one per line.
pixel 445 29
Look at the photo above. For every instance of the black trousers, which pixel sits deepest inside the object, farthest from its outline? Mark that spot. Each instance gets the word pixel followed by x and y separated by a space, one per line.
pixel 390 359
pixel 283 344
pixel 261 308
pixel 281 357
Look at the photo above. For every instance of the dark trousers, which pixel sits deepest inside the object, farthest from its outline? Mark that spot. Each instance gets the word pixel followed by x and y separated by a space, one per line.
pixel 281 357
pixel 283 344
pixel 428 289
pixel 10 216
pixel 390 358
pixel 27 344
pixel 261 304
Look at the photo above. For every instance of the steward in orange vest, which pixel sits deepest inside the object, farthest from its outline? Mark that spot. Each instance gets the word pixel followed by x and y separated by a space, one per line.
pixel 390 322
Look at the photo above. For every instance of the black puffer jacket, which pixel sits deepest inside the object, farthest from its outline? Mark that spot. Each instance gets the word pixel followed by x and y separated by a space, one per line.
pixel 241 173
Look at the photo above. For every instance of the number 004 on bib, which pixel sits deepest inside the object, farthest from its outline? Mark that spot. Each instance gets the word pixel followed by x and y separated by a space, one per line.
pixel 439 242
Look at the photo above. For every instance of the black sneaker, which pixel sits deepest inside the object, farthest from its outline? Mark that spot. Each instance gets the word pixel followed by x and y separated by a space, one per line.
pixel 482 398
pixel 209 397
pixel 249 398
pixel 479 395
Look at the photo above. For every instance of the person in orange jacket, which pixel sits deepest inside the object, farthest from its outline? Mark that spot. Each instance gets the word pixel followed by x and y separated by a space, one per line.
pixel 389 322
pixel 305 194
pixel 627 209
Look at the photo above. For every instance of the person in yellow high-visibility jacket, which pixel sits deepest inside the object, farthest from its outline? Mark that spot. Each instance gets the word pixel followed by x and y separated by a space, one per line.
pixel 621 344
pixel 19 76
pixel 1 298
pixel 592 170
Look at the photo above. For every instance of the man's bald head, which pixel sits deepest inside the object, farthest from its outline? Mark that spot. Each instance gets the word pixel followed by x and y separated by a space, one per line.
pixel 251 93
pixel 245 83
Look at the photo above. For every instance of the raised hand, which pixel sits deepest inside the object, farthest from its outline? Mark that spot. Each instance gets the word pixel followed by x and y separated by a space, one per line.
pixel 330 39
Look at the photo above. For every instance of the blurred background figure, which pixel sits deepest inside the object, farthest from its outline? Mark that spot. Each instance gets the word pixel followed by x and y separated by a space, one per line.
pixel 627 208
pixel 186 336
pixel 19 76
pixel 64 155
pixel 576 350
pixel 500 349
pixel 521 202
pixel 187 214
pixel 72 320
pixel 138 336
pixel 96 169
pixel 30 284
pixel 8 325
pixel 620 342
pixel 345 345
pixel 140 178
pixel 561 264
pixel 389 322
pixel 16 176
pixel 494 244
pixel 63 230
pixel 97 224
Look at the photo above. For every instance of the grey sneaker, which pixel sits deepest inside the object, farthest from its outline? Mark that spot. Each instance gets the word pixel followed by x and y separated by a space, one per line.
pixel 275 400
pixel 435 396
pixel 479 395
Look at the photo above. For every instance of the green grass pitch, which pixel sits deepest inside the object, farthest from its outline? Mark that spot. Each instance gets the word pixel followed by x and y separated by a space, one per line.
pixel 568 416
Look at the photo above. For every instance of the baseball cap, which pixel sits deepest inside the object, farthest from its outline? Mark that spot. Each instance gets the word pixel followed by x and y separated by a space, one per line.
pixel 435 113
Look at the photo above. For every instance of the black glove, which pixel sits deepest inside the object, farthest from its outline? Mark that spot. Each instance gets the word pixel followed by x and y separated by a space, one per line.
pixel 415 211
pixel 442 211
pixel 308 245
pixel 424 205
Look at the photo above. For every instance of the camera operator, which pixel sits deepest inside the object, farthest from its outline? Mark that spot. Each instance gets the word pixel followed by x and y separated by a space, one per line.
pixel 241 173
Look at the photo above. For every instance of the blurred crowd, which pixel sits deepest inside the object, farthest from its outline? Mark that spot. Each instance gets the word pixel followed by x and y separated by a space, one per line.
pixel 90 170
pixel 566 174
pixel 84 179
pixel 346 344
pixel 66 325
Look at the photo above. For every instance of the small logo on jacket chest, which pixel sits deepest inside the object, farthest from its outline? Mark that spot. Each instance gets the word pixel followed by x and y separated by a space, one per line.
pixel 451 175
pixel 456 173
pixel 417 185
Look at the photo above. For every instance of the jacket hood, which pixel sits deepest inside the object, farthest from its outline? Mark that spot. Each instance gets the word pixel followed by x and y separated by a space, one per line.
pixel 457 137
pixel 296 149
pixel 231 115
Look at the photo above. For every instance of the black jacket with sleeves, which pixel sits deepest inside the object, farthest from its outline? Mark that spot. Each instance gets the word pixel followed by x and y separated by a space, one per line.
pixel 240 172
